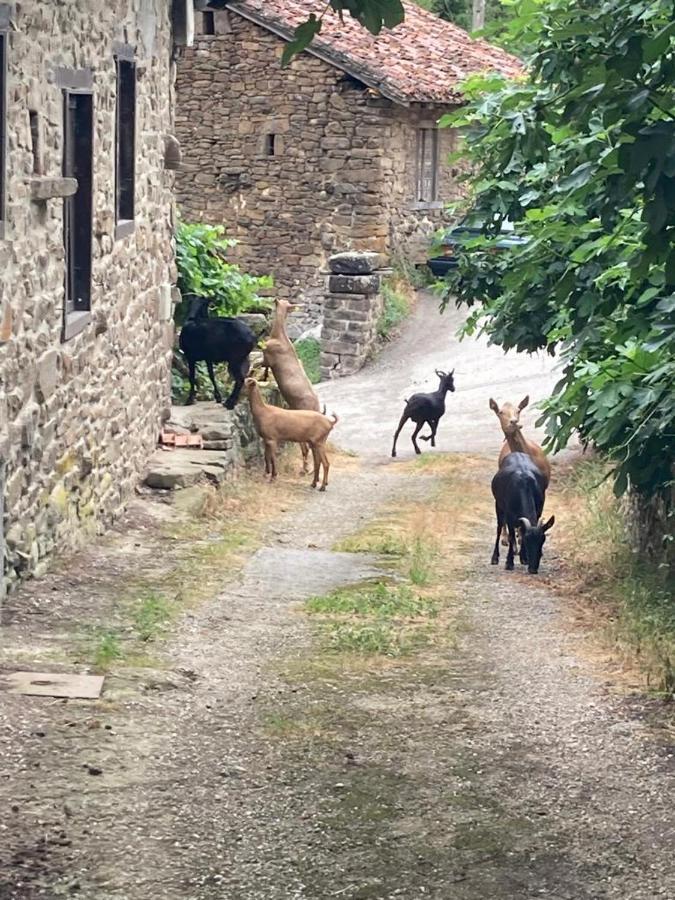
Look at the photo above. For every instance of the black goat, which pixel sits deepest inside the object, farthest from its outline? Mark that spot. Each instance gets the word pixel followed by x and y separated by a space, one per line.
pixel 215 340
pixel 519 489
pixel 428 408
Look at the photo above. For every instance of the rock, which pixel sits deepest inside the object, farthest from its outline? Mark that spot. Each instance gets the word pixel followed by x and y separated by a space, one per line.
pixel 173 469
pixel 352 263
pixel 257 322
pixel 353 284
pixel 49 371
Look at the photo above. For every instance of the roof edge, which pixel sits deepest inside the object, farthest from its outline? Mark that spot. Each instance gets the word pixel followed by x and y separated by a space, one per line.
pixel 338 60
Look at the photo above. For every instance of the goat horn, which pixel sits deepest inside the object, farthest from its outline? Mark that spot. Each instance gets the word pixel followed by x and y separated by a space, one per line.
pixel 440 373
pixel 524 523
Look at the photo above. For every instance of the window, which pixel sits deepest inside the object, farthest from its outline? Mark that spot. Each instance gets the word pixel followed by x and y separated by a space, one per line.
pixel 3 128
pixel 125 147
pixel 208 22
pixel 77 209
pixel 270 145
pixel 427 164
pixel 35 141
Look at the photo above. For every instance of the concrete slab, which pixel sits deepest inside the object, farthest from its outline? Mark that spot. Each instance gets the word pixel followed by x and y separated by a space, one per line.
pixel 53 684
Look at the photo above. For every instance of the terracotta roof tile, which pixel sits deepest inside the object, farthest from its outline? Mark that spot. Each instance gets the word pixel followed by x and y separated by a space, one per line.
pixel 423 60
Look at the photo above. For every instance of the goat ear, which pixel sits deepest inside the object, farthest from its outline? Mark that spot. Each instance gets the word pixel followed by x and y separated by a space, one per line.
pixel 493 406
pixel 549 524
pixel 523 403
pixel 453 372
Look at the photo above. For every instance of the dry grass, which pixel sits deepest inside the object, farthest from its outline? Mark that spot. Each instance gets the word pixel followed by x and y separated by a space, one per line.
pixel 610 590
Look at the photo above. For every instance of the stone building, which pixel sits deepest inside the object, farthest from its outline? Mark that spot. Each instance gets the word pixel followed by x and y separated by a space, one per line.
pixel 86 261
pixel 339 150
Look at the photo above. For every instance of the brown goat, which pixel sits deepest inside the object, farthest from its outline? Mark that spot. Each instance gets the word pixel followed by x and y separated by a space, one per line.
pixel 279 355
pixel 301 426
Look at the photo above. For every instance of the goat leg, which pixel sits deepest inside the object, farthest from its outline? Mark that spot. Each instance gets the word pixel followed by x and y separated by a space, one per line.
pixel 192 368
pixel 495 553
pixel 404 419
pixel 511 553
pixel 317 464
pixel 304 449
pixel 326 467
pixel 238 372
pixel 212 376
pixel 417 430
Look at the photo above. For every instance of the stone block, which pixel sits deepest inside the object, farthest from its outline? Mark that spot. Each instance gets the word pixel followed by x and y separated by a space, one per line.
pixel 354 284
pixel 44 188
pixel 49 372
pixel 354 263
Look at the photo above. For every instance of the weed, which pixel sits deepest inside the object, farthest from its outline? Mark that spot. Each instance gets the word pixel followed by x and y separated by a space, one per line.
pixel 421 559
pixel 108 649
pixel 309 354
pixel 151 616
pixel 395 309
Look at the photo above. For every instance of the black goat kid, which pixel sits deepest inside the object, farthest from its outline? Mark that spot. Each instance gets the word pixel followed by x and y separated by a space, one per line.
pixel 428 408
pixel 215 340
pixel 519 490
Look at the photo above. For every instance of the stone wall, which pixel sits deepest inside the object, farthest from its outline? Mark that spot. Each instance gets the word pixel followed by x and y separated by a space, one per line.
pixel 78 418
pixel 352 307
pixel 297 163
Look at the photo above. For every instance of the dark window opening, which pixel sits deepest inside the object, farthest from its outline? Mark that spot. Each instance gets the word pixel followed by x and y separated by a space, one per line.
pixel 427 165
pixel 125 153
pixel 3 128
pixel 35 141
pixel 350 83
pixel 208 22
pixel 270 144
pixel 77 210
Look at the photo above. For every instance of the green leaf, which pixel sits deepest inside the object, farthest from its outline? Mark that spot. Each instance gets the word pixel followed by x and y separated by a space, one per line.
pixel 303 36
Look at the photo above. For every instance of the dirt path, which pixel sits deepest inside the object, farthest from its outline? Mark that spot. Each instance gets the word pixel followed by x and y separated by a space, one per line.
pixel 249 763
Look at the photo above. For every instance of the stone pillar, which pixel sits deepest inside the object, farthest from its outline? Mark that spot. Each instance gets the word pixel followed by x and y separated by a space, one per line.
pixel 352 307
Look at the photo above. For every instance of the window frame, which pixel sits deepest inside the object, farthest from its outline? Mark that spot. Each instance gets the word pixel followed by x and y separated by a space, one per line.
pixel 426 157
pixel 4 78
pixel 125 61
pixel 76 320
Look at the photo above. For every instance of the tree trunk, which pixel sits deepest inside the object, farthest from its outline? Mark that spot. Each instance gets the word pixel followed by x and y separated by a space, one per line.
pixel 478 20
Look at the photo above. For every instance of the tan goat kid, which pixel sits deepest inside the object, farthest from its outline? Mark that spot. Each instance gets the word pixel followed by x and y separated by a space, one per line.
pixel 301 426
pixel 516 442
pixel 279 355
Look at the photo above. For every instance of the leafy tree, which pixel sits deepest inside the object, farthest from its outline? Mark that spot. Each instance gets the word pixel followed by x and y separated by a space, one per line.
pixel 581 156
pixel 204 270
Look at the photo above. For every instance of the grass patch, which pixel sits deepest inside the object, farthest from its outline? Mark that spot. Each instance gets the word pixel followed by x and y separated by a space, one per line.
pixel 151 616
pixel 374 599
pixel 106 650
pixel 309 354
pixel 375 618
pixel 635 601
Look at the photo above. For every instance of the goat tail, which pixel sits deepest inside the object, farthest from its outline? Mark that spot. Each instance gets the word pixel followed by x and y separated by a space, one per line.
pixel 335 421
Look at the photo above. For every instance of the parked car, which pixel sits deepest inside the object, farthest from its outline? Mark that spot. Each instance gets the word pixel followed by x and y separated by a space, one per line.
pixel 467 230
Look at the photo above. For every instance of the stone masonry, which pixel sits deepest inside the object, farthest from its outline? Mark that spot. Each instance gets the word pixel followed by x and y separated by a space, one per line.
pixel 79 417
pixel 301 162
pixel 352 307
